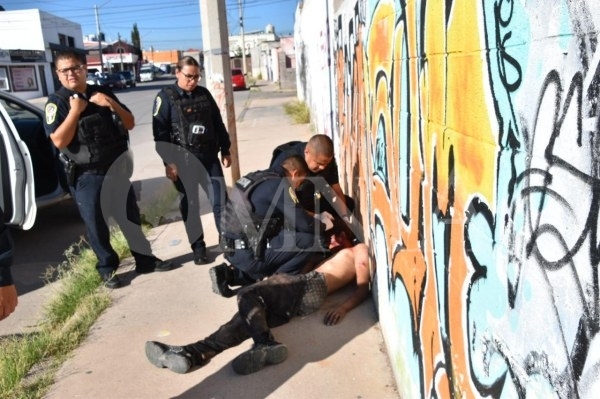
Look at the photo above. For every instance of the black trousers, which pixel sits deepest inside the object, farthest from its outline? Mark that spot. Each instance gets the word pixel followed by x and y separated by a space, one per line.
pixel 261 306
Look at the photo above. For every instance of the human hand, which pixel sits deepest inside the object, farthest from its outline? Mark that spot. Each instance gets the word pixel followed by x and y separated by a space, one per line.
pixel 326 218
pixel 77 103
pixel 8 300
pixel 171 172
pixel 333 317
pixel 226 160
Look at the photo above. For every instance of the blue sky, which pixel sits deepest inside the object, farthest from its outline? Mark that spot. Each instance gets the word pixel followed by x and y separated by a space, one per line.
pixel 166 24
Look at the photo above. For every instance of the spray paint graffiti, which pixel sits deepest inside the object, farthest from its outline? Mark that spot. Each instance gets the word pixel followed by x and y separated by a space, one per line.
pixel 481 188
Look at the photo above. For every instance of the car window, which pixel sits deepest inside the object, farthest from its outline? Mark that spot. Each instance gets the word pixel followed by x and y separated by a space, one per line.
pixel 236 72
pixel 16 112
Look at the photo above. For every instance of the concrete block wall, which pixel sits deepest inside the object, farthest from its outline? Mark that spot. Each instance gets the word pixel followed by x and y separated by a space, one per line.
pixel 467 131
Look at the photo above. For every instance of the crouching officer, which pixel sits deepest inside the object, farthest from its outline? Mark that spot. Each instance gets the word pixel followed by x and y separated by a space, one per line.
pixel 321 192
pixel 266 231
pixel 189 133
pixel 89 126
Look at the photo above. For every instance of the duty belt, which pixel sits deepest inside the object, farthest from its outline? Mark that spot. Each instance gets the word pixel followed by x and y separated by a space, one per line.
pixel 238 243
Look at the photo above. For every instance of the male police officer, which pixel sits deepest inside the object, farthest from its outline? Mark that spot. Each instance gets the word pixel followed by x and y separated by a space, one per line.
pixel 89 126
pixel 266 231
pixel 321 192
pixel 189 133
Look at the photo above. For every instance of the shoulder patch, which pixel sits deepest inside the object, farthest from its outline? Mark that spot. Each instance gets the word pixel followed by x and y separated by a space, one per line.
pixel 157 104
pixel 50 112
pixel 293 195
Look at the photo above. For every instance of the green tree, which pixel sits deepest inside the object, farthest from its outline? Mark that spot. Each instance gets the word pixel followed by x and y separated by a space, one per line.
pixel 135 37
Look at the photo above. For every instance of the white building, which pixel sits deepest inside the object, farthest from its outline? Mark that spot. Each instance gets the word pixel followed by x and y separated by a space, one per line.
pixel 28 42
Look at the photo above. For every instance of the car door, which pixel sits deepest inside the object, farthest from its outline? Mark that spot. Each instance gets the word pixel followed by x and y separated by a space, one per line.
pixel 17 198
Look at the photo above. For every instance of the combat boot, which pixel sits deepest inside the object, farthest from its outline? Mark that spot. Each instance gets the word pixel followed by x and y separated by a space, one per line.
pixel 176 358
pixel 259 356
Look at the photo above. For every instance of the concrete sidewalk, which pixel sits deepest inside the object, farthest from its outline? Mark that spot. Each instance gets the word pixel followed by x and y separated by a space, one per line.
pixel 178 307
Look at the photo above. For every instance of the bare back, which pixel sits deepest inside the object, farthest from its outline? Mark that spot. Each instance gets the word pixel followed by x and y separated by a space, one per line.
pixel 346 266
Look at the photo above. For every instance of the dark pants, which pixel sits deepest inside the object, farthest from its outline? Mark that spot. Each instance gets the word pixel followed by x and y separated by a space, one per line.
pixel 261 306
pixel 288 252
pixel 208 176
pixel 99 197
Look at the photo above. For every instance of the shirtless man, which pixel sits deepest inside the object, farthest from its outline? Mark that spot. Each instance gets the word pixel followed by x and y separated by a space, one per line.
pixel 270 303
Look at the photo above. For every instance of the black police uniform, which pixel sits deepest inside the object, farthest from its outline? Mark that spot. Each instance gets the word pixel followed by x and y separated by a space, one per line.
pixel 189 132
pixel 306 192
pixel 287 248
pixel 95 157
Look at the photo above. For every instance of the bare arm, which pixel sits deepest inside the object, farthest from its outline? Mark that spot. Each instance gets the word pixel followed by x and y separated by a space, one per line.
pixel 363 277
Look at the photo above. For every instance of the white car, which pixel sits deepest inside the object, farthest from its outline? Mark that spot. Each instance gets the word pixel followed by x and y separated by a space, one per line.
pixel 146 74
pixel 32 175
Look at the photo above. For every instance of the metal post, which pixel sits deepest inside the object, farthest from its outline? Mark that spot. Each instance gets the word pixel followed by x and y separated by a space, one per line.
pixel 121 52
pixel 242 34
pixel 99 40
pixel 215 44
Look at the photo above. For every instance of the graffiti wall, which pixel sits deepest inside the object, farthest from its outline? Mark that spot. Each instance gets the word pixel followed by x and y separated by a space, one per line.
pixel 467 131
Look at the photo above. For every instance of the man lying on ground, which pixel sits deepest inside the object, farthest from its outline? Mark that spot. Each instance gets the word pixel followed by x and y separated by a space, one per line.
pixel 273 302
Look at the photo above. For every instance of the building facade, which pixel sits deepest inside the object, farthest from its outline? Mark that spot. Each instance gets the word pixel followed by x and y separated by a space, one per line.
pixel 27 53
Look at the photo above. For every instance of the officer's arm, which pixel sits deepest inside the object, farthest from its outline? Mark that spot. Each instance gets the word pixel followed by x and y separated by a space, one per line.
pixel 63 129
pixel 293 213
pixel 161 118
pixel 223 136
pixel 126 116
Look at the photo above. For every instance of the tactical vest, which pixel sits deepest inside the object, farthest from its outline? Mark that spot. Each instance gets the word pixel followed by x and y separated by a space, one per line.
pixel 194 130
pixel 100 139
pixel 240 216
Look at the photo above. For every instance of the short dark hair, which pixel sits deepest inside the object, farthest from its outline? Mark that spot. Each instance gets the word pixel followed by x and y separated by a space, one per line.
pixel 187 60
pixel 297 163
pixel 341 227
pixel 321 144
pixel 66 54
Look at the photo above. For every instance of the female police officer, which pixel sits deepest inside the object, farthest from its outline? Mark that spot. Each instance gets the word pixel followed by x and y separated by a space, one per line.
pixel 83 123
pixel 189 133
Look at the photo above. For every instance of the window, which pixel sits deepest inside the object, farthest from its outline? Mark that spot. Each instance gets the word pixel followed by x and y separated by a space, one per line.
pixel 62 39
pixel 23 78
pixel 4 79
pixel 71 41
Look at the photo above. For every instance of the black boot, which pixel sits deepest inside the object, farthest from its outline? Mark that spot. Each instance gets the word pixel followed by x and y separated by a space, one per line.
pixel 222 276
pixel 176 358
pixel 259 356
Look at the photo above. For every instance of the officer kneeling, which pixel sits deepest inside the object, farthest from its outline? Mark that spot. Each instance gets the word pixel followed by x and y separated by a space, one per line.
pixel 265 230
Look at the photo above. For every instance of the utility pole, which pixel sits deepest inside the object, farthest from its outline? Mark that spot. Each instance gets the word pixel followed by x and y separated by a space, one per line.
pixel 215 45
pixel 240 2
pixel 99 40
pixel 121 51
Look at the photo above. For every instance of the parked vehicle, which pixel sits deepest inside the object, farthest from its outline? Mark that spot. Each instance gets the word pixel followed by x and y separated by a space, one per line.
pixel 115 81
pixel 32 175
pixel 238 80
pixel 129 78
pixel 93 79
pixel 147 74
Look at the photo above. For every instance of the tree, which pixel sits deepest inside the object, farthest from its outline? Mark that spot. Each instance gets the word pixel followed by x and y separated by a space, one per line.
pixel 135 37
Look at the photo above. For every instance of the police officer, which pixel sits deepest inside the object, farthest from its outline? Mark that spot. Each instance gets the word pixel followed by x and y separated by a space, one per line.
pixel 266 231
pixel 189 133
pixel 88 124
pixel 321 192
